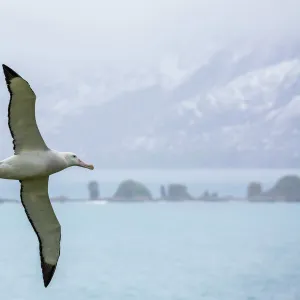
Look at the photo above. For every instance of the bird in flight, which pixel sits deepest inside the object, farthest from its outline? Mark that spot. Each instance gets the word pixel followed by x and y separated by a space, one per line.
pixel 32 164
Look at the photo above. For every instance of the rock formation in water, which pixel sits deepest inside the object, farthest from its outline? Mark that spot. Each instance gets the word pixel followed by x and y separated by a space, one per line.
pixel 286 188
pixel 94 193
pixel 132 190
pixel 254 190
pixel 163 192
pixel 178 191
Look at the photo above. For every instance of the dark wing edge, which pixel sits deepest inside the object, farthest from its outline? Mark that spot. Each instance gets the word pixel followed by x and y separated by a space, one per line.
pixel 47 269
pixel 9 75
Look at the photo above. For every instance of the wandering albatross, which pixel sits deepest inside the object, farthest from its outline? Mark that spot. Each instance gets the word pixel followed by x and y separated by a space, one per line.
pixel 32 164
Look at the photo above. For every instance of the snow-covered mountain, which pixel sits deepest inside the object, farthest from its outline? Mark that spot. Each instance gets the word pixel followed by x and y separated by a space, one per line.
pixel 239 109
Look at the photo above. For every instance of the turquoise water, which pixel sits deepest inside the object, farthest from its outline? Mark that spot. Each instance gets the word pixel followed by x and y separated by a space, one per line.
pixel 192 251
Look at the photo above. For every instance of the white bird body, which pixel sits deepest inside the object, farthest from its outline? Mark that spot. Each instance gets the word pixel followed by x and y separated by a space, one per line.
pixel 32 164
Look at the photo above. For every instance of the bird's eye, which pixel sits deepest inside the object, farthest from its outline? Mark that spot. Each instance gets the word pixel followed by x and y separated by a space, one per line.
pixel 74 156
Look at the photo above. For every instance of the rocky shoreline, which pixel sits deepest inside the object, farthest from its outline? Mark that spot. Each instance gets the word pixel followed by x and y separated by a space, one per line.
pixel 285 189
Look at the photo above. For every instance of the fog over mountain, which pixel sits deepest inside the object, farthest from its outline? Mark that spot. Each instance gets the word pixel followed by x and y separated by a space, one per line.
pixel 161 84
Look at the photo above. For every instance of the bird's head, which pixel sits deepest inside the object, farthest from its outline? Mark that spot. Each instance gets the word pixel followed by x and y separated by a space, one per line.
pixel 73 160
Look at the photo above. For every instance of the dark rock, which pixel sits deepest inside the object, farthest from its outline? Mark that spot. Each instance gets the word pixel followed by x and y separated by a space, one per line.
pixel 254 190
pixel 93 187
pixel 286 188
pixel 178 191
pixel 163 192
pixel 131 189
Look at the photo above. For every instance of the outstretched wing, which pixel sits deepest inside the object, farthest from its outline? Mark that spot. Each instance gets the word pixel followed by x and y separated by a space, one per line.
pixel 21 114
pixel 37 205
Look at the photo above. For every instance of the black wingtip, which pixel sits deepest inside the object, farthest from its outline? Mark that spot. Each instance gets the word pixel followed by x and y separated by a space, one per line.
pixel 9 73
pixel 48 271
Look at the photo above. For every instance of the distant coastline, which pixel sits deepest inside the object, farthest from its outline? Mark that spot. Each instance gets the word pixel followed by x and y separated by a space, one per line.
pixel 285 189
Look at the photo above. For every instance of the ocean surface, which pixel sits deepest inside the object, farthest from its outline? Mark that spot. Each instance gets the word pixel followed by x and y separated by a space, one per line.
pixel 162 251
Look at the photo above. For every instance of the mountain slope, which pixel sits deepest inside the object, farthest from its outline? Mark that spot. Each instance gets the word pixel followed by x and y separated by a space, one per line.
pixel 228 113
pixel 239 109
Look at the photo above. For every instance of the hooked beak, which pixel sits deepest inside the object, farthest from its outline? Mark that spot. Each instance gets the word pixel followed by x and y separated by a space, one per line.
pixel 84 165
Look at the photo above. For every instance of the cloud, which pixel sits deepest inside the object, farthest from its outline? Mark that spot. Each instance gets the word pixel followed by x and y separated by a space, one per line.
pixel 134 32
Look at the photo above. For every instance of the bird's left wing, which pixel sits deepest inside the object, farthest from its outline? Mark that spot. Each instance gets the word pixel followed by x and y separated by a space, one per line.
pixel 21 114
pixel 37 205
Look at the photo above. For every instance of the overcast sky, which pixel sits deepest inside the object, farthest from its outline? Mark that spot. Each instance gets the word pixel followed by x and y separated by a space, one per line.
pixel 134 32
pixel 48 40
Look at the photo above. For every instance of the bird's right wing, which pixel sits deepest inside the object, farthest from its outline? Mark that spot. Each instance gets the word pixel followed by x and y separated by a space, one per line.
pixel 37 205
pixel 21 114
